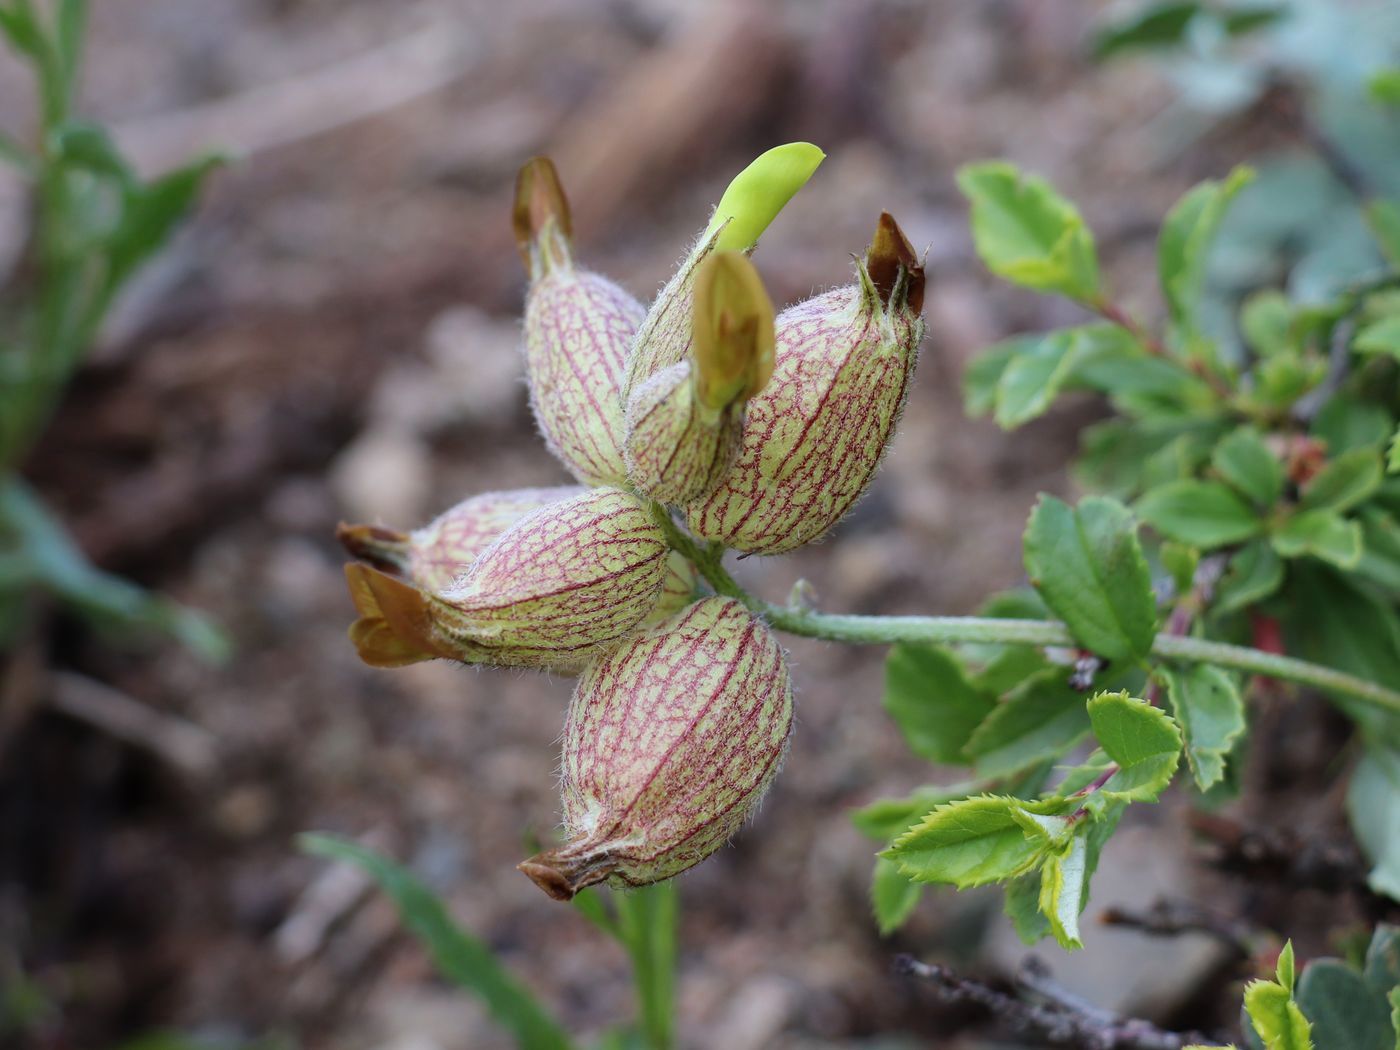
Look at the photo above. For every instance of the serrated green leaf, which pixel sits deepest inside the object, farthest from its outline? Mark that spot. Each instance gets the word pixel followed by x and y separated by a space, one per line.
pixel 1210 711
pixel 969 843
pixel 1063 886
pixel 1345 481
pixel 1373 806
pixel 1285 969
pixel 758 193
pixel 1205 514
pixel 888 818
pixel 1022 907
pixel 893 896
pixel 1345 1012
pixel 1255 572
pixel 1042 719
pixel 1322 534
pixel 458 955
pixel 1027 233
pixel 1244 461
pixel 1383 217
pixel 930 699
pixel 1187 233
pixel 1276 1017
pixel 1143 740
pixel 1153 26
pixel 1087 563
pixel 1034 378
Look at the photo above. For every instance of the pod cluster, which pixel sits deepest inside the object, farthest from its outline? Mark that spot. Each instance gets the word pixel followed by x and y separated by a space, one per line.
pixel 758 432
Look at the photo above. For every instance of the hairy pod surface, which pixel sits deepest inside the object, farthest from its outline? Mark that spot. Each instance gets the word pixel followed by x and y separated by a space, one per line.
pixel 672 739
pixel 677 448
pixel 815 435
pixel 550 591
pixel 434 556
pixel 578 330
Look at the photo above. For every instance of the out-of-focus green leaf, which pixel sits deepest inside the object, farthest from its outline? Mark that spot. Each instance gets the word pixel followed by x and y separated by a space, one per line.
pixel 1245 462
pixel 1346 1013
pixel 893 896
pixel 1255 573
pixel 461 957
pixel 1033 378
pixel 1027 233
pixel 1266 320
pixel 1088 565
pixel 1346 422
pixel 1187 233
pixel 1205 514
pixel 983 375
pixel 1383 217
pixel 1042 719
pixel 150 214
pixel 1384 86
pixel 1346 480
pixel 929 697
pixel 1322 534
pixel 1380 337
pixel 1155 25
pixel 1373 806
pixel 1210 711
pixel 887 818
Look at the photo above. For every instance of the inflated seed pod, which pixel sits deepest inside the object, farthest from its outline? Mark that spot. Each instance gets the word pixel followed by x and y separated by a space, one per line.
pixel 551 591
pixel 435 555
pixel 683 424
pixel 671 741
pixel 816 433
pixel 751 201
pixel 578 329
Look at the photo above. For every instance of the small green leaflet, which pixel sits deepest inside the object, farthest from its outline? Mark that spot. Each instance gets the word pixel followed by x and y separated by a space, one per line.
pixel 1271 1009
pixel 973 842
pixel 1042 719
pixel 1347 480
pixel 1255 572
pixel 1380 337
pixel 1244 461
pixel 1143 740
pixel 1205 514
pixel 1187 233
pixel 893 895
pixel 1345 1012
pixel 983 376
pixel 1393 463
pixel 1029 234
pixel 1088 565
pixel 1063 886
pixel 1210 711
pixel 932 702
pixel 1034 377
pixel 1321 533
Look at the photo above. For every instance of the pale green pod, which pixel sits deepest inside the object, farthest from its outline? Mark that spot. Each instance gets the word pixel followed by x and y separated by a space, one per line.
pixel 672 739
pixel 554 589
pixel 815 435
pixel 752 201
pixel 684 423
pixel 434 556
pixel 578 330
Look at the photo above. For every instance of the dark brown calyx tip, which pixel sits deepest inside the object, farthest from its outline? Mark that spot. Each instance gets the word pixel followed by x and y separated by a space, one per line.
pixel 562 875
pixel 539 198
pixel 890 253
pixel 383 548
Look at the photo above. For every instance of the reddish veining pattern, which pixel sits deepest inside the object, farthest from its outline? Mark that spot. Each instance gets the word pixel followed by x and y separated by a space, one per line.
pixel 815 435
pixel 573 576
pixel 672 739
pixel 445 548
pixel 676 449
pixel 578 328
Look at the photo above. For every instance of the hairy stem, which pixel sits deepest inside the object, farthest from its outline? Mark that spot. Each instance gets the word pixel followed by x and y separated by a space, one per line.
pixel 887 630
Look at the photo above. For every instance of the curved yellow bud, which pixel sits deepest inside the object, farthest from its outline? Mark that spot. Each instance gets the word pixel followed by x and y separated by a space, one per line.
pixel 731 331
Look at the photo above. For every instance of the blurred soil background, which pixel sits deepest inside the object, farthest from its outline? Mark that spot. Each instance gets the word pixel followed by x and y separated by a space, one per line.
pixel 334 337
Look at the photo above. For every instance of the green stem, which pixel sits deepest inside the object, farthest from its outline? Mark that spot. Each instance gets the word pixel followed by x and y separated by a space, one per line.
pixel 888 630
